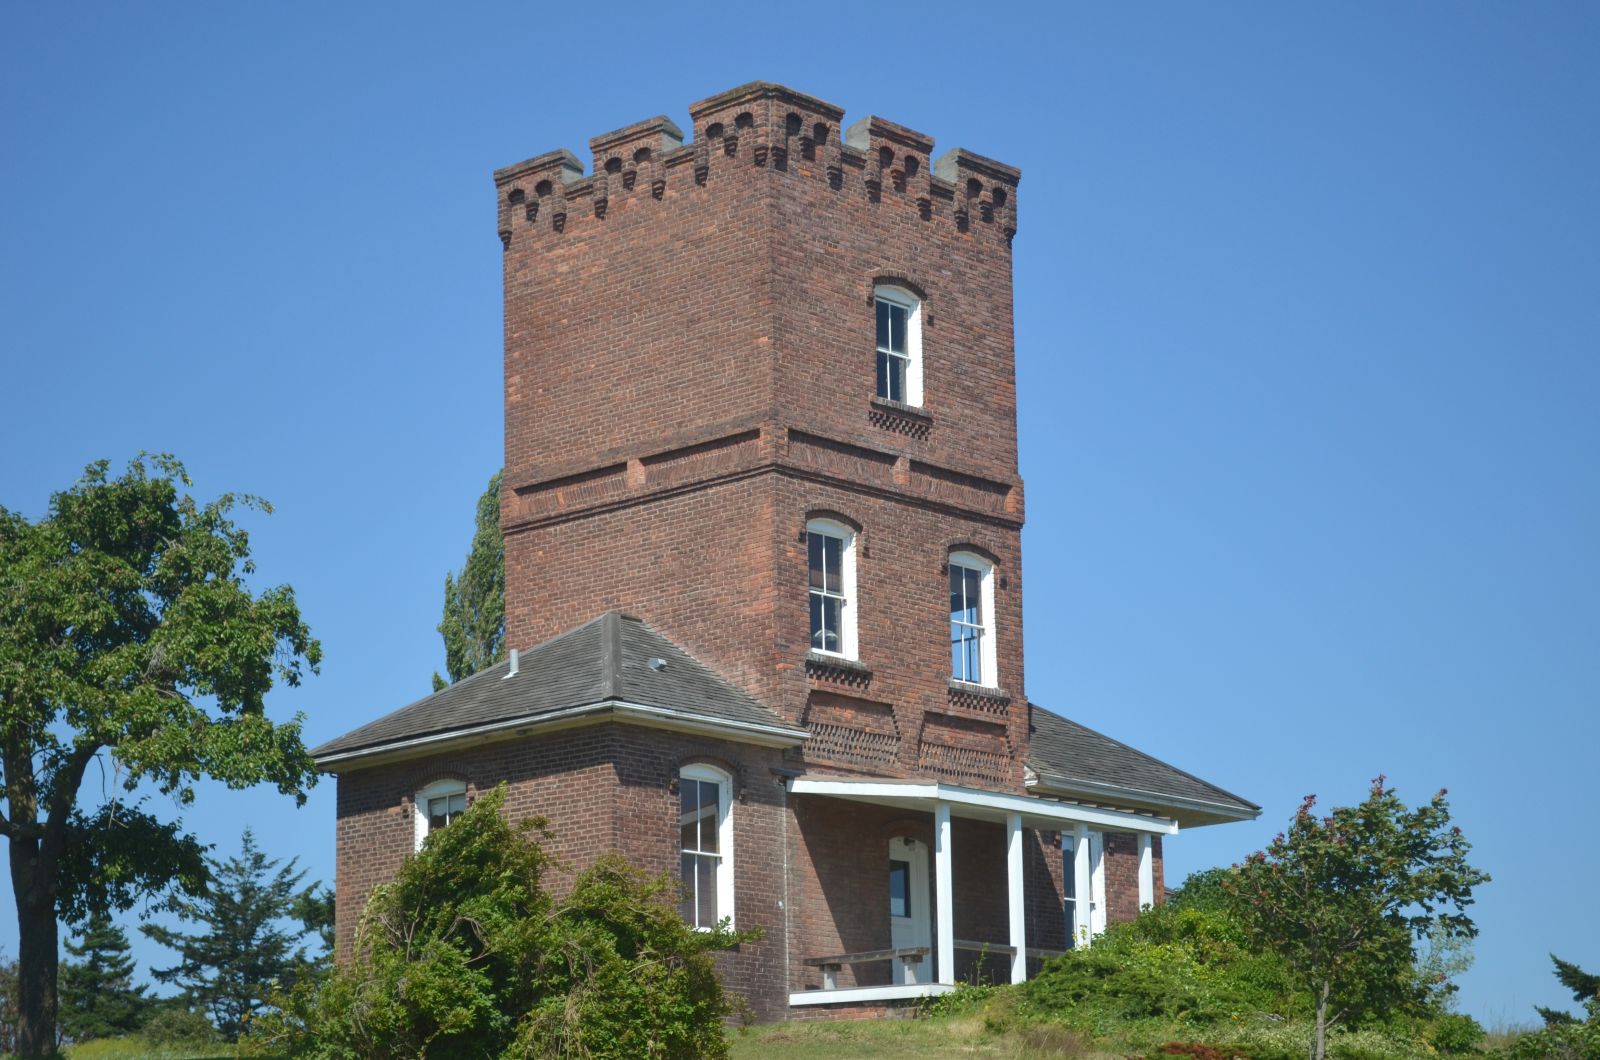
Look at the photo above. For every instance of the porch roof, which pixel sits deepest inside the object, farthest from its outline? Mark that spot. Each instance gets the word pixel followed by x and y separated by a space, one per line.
pixel 923 796
pixel 1073 761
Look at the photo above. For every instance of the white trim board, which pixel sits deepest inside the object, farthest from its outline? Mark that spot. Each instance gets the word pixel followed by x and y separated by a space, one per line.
pixel 975 802
pixel 868 993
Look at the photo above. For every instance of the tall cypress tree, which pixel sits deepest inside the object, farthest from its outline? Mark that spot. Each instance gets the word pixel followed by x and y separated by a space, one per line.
pixel 98 998
pixel 246 946
pixel 474 622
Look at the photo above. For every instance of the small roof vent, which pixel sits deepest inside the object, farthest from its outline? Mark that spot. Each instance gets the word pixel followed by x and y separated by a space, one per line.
pixel 657 663
pixel 511 671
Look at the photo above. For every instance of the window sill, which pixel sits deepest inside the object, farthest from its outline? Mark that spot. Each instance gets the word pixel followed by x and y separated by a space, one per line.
pixel 838 669
pixel 982 699
pixel 897 416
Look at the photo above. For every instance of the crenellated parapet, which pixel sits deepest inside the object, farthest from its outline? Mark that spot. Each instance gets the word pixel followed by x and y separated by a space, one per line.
pixel 766 127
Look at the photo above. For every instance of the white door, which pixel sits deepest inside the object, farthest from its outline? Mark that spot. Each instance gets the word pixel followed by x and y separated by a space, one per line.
pixel 910 913
pixel 1084 908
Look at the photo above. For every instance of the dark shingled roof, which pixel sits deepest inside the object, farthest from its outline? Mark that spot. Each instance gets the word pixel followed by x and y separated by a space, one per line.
pixel 603 660
pixel 1074 759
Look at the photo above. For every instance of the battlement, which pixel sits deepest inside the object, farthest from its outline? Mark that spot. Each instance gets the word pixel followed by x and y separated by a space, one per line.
pixel 768 127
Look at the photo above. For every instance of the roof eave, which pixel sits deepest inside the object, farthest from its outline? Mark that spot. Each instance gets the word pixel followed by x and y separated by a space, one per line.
pixel 1190 813
pixel 610 710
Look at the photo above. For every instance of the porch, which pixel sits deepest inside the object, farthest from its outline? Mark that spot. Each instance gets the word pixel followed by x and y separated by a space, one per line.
pixel 882 924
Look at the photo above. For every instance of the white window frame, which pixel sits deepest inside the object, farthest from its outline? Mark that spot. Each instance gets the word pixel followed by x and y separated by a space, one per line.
pixel 987 655
pixel 847 580
pixel 913 353
pixel 419 804
pixel 724 855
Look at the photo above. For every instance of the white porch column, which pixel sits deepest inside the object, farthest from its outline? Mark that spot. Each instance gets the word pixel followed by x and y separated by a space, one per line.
pixel 944 893
pixel 1147 873
pixel 1082 887
pixel 1019 923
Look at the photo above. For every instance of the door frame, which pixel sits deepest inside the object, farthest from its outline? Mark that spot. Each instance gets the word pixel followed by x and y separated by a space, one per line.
pixel 916 929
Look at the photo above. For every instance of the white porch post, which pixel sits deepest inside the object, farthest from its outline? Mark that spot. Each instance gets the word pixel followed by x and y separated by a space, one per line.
pixel 1082 887
pixel 1147 874
pixel 944 893
pixel 1019 924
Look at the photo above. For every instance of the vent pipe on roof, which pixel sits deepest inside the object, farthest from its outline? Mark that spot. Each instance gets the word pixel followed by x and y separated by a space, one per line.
pixel 511 671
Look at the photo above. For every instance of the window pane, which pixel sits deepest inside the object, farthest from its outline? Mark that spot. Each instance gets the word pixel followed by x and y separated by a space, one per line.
pixel 897 328
pixel 817 635
pixel 974 593
pixel 689 813
pixel 885 365
pixel 458 805
pixel 899 888
pixel 883 325
pixel 437 813
pixel 708 817
pixel 686 873
pixel 833 564
pixel 830 624
pixel 814 550
pixel 706 891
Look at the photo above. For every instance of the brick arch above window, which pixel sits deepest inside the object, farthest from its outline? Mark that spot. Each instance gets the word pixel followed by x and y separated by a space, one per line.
pixel 981 551
pixel 904 280
pixel 435 774
pixel 732 770
pixel 830 515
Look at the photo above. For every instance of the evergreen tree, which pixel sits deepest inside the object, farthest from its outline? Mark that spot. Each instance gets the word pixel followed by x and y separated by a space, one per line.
pixel 474 622
pixel 244 951
pixel 98 998
pixel 1583 985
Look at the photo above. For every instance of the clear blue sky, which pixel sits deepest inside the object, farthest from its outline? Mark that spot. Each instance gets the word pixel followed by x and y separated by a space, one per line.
pixel 1308 300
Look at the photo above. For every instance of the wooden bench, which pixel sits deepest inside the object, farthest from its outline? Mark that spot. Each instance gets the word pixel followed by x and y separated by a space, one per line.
pixel 830 965
pixel 1002 950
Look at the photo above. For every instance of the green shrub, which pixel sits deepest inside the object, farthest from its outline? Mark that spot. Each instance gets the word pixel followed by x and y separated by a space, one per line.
pixel 176 1026
pixel 1184 964
pixel 466 954
pixel 1453 1032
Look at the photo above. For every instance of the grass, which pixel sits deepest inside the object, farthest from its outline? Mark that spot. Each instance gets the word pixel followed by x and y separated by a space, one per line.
pixel 136 1048
pixel 936 1038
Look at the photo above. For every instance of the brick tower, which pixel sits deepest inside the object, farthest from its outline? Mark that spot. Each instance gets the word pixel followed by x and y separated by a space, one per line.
pixel 692 378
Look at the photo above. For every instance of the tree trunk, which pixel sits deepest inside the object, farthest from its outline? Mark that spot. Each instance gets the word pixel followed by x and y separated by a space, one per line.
pixel 1319 1048
pixel 37 956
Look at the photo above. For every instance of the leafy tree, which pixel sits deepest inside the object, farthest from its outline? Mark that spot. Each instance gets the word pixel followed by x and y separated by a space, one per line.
pixel 8 1006
pixel 474 622
pixel 128 635
pixel 466 954
pixel 1584 988
pixel 98 998
pixel 243 952
pixel 1340 898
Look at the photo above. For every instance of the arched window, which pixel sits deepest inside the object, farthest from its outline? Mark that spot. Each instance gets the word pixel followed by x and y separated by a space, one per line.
pixel 831 557
pixel 437 805
pixel 705 846
pixel 899 314
pixel 972 648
